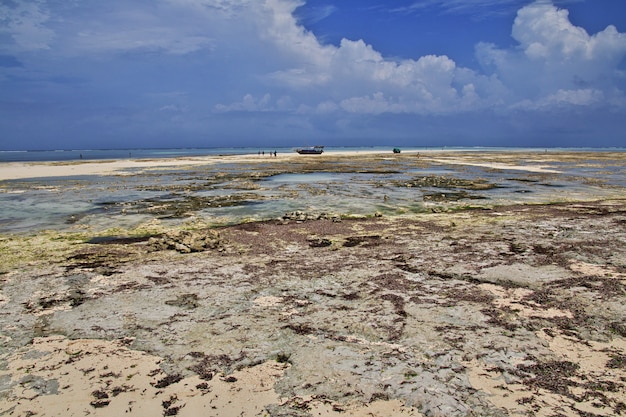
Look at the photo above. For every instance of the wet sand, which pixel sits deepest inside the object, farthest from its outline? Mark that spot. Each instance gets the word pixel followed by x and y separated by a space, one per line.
pixel 496 311
pixel 21 170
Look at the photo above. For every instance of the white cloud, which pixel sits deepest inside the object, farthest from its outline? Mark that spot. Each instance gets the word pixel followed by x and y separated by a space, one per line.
pixel 476 8
pixel 214 50
pixel 326 107
pixel 563 98
pixel 25 23
pixel 249 104
pixel 428 84
pixel 554 56
pixel 375 104
pixel 92 28
pixel 545 33
pixel 150 40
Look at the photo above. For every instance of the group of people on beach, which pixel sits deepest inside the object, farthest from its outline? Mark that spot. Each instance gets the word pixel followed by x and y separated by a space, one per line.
pixel 271 153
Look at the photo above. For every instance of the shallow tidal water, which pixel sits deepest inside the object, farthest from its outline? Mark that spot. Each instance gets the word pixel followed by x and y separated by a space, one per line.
pixel 235 192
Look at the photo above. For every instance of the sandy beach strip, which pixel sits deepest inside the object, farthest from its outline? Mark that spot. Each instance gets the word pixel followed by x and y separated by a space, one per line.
pixel 24 170
pixel 500 166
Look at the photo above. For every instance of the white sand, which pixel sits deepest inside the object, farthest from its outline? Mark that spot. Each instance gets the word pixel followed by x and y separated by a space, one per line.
pixel 501 166
pixel 61 377
pixel 22 170
pixel 589 355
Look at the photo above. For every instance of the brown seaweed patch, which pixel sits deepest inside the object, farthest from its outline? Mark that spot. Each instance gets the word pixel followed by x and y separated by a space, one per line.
pixel 99 403
pixel 101 399
pixel 617 361
pixel 188 301
pixel 472 295
pixel 158 280
pixel 618 328
pixel 104 260
pixel 102 263
pixel 74 298
pixel 208 365
pixel 371 240
pixel 397 302
pixel 553 376
pixel 167 381
pixel 605 288
pixel 168 406
pixel 118 240
pixel 502 317
pixel 393 281
pixel 301 329
pixel 315 242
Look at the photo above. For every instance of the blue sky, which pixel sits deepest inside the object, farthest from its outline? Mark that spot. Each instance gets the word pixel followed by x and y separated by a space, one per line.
pixel 88 74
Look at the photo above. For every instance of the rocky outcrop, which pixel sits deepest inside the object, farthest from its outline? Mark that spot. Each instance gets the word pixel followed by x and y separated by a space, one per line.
pixel 301 216
pixel 187 241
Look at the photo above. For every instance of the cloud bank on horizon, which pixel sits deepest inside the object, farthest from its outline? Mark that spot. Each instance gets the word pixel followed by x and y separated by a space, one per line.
pixel 175 73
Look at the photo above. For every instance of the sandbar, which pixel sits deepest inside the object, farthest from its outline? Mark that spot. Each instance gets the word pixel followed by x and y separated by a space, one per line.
pixel 23 170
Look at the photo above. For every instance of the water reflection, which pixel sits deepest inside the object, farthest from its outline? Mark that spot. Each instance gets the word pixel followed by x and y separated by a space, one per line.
pixel 232 192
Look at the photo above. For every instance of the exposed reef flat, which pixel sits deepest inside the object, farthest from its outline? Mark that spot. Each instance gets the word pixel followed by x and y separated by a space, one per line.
pixel 222 190
pixel 458 310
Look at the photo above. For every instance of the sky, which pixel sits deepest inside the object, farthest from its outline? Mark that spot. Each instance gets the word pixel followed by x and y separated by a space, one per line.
pixel 92 74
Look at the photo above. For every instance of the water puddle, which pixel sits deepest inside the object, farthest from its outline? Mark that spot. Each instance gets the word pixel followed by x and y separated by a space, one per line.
pixel 232 193
pixel 314 177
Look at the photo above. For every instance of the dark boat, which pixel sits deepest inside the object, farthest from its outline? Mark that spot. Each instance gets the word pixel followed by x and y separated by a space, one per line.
pixel 311 150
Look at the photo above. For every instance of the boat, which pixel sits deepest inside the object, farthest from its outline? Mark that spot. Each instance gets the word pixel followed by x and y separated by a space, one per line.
pixel 311 150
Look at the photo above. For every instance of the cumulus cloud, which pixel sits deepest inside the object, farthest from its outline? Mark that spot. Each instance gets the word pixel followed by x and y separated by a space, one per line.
pixel 554 56
pixel 429 84
pixel 581 97
pixel 245 56
pixel 249 103
pixel 546 34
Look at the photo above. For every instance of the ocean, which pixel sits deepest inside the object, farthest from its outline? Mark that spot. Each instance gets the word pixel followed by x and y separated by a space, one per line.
pixel 106 154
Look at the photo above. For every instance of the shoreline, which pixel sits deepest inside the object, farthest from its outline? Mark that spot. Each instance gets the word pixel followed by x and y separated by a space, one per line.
pixel 26 170
pixel 96 195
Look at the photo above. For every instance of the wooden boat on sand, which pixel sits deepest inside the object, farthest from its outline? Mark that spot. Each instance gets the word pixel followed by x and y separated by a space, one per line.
pixel 311 150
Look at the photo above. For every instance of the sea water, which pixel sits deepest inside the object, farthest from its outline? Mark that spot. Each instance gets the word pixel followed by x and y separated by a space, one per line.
pixel 105 154
pixel 226 193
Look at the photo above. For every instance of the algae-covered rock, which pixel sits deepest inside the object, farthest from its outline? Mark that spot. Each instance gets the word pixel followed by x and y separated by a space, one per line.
pixel 186 241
